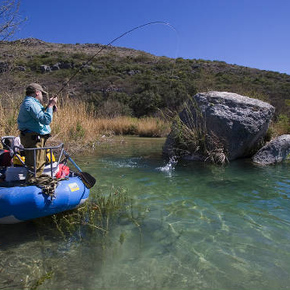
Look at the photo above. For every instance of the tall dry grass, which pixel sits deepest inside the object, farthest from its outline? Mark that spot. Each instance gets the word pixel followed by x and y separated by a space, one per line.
pixel 74 121
pixel 9 107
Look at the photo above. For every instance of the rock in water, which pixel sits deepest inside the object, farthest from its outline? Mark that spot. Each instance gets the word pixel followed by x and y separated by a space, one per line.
pixel 274 152
pixel 219 124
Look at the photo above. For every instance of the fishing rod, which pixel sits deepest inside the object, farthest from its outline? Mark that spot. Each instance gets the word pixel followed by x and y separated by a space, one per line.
pixel 110 43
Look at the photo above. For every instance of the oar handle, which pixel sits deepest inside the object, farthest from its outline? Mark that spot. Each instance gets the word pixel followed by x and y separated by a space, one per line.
pixel 70 159
pixel 88 180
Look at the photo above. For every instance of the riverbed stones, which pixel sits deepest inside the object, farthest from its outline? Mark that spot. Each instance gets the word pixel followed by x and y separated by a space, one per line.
pixel 219 126
pixel 274 152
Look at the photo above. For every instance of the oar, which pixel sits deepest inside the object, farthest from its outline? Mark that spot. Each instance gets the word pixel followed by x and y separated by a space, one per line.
pixel 88 180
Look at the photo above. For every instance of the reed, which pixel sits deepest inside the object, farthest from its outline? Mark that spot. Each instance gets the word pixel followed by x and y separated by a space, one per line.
pixel 75 121
pixel 153 127
pixel 9 107
pixel 192 137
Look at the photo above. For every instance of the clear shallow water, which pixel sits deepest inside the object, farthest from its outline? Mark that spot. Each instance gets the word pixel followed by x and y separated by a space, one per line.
pixel 203 227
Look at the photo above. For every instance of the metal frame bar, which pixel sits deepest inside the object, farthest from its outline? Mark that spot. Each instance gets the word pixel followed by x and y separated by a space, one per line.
pixel 15 149
pixel 50 148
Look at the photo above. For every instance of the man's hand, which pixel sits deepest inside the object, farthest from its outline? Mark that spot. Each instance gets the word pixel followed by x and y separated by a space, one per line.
pixel 52 103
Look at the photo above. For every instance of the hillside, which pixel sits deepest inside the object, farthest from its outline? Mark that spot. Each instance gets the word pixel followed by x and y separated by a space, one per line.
pixel 121 81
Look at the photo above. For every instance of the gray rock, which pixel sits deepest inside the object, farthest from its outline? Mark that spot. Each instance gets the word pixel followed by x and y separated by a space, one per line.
pixel 66 65
pixel 4 66
pixel 56 66
pixel 45 68
pixel 274 152
pixel 133 72
pixel 21 68
pixel 219 124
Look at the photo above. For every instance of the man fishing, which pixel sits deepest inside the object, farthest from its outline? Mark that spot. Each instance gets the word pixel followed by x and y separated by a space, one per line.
pixel 34 125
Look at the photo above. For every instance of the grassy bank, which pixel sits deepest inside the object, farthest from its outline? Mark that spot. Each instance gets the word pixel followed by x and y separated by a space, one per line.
pixel 75 122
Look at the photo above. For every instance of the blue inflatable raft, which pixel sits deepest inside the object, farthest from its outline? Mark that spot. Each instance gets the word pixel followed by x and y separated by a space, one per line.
pixel 21 201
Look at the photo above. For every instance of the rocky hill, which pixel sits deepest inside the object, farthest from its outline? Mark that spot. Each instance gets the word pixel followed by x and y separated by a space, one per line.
pixel 129 82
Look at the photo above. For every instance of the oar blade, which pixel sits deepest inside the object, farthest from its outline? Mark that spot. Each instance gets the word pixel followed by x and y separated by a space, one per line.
pixel 88 180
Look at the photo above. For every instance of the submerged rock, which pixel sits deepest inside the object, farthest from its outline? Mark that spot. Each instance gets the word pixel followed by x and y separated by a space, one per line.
pixel 219 126
pixel 274 152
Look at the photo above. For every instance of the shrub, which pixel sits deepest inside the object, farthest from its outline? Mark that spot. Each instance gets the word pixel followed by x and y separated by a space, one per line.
pixel 282 126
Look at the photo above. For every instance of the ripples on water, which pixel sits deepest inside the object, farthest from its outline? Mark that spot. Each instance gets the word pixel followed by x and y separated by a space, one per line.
pixel 203 227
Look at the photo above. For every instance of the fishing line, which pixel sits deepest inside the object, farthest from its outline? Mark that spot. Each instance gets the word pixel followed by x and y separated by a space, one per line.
pixel 111 42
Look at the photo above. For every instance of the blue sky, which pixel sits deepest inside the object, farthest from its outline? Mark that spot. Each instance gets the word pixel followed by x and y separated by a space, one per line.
pixel 253 33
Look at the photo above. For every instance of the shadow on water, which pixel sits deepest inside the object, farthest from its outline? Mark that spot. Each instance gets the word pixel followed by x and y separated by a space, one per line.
pixel 15 234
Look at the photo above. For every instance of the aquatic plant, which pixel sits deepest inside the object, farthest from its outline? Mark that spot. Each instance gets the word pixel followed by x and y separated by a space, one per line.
pixel 98 215
pixel 41 280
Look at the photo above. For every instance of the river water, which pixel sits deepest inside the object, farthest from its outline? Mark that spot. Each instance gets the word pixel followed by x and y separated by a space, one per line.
pixel 195 226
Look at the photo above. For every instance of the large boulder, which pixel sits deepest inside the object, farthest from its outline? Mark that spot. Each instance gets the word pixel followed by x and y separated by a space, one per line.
pixel 219 126
pixel 274 152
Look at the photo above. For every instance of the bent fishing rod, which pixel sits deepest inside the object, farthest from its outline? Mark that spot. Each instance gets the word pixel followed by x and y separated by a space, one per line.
pixel 110 43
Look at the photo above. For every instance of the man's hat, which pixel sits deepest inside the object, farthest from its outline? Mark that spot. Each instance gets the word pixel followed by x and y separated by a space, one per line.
pixel 32 88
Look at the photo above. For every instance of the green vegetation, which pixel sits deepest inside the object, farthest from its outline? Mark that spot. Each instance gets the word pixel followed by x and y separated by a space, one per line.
pixel 283 124
pixel 135 83
pixel 97 216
